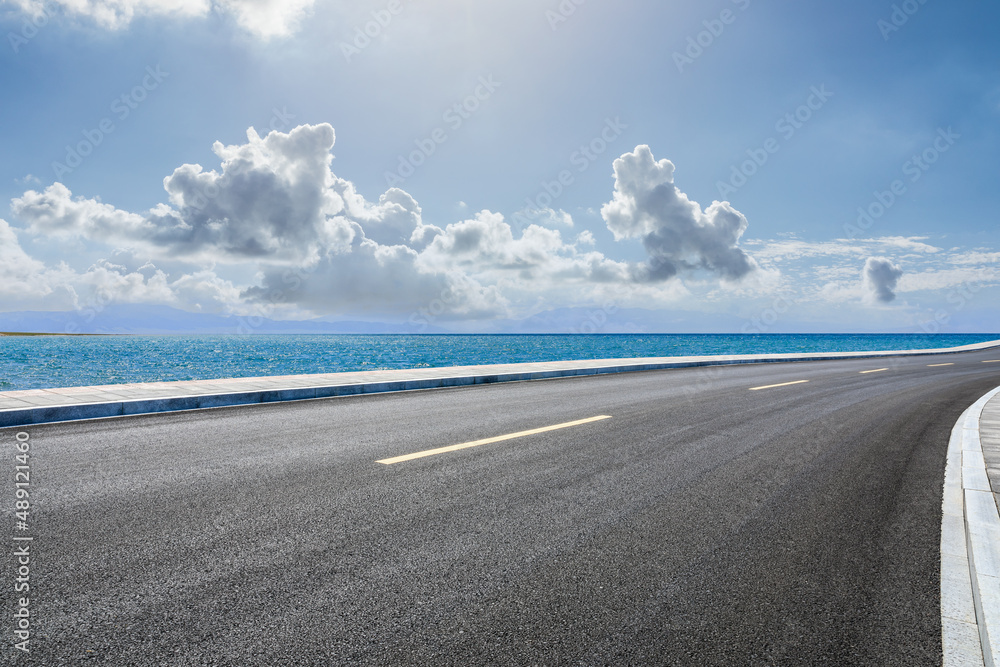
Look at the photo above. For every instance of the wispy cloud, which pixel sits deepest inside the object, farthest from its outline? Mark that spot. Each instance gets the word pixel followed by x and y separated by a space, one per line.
pixel 263 18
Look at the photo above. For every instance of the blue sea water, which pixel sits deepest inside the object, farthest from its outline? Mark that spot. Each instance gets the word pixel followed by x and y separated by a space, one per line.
pixel 68 361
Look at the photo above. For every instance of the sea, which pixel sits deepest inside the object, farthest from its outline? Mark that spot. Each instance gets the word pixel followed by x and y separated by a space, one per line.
pixel 39 362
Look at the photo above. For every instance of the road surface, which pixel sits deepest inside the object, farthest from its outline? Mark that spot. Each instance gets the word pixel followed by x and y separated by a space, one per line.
pixel 707 518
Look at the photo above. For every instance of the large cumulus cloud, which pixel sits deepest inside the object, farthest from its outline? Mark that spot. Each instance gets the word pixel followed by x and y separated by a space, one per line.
pixel 274 199
pixel 678 235
pixel 276 204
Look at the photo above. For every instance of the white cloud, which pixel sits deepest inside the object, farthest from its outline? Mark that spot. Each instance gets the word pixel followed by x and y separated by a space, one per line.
pixel 911 244
pixel 27 284
pixel 116 283
pixel 546 217
pixel 19 273
pixel 678 236
pixel 268 18
pixel 263 18
pixel 485 247
pixel 54 212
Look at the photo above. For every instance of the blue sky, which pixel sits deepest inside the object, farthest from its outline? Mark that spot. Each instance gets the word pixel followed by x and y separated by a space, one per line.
pixel 413 173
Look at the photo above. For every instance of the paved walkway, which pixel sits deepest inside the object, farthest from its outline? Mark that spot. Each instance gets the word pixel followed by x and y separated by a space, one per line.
pixel 989 435
pixel 40 406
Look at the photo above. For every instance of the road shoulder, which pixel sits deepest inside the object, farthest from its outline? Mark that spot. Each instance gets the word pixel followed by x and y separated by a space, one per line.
pixel 970 538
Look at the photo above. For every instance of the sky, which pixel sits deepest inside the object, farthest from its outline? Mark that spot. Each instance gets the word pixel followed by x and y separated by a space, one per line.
pixel 726 166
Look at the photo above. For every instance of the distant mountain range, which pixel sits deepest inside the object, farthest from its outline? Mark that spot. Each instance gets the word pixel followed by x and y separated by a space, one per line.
pixel 146 319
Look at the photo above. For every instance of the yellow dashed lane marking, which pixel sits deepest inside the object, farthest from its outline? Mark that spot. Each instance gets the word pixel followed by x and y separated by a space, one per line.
pixel 783 384
pixel 486 441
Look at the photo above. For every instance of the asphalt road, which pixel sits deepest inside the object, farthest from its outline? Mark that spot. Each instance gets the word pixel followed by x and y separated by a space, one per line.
pixel 703 523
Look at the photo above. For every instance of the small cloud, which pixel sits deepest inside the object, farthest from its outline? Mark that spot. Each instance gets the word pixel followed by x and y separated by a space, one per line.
pixel 550 217
pixel 880 277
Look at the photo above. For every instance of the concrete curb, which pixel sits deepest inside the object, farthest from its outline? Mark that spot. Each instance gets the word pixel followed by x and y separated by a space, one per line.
pixel 970 549
pixel 346 384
